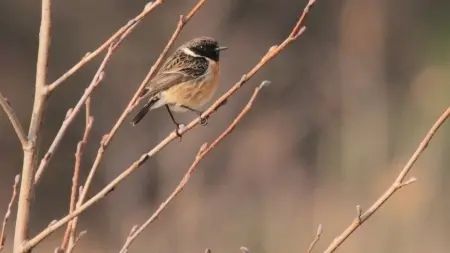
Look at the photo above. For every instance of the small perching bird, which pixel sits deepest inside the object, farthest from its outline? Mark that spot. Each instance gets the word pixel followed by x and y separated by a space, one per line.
pixel 186 81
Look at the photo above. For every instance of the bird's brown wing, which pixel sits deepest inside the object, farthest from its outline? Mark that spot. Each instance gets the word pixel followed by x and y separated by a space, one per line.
pixel 178 68
pixel 163 81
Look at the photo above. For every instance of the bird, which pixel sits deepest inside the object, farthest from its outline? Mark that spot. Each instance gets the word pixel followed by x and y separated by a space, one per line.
pixel 186 81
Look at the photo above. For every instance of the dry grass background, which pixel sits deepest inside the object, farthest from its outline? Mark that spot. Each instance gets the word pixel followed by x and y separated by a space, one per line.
pixel 349 102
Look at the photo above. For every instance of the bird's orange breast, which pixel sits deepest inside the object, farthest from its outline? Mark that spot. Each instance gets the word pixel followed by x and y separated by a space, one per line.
pixel 197 92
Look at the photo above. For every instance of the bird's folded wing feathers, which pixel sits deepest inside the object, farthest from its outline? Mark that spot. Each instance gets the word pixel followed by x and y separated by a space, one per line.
pixel 163 81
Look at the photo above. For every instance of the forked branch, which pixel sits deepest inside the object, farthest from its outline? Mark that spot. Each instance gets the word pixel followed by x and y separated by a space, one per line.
pixel 127 28
pixel 98 77
pixel 133 102
pixel 69 235
pixel 204 150
pixel 399 182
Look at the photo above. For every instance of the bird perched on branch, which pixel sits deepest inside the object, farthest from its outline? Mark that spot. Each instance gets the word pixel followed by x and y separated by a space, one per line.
pixel 186 81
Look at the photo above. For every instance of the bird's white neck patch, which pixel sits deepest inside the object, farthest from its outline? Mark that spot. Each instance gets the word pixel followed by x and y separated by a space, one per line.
pixel 190 52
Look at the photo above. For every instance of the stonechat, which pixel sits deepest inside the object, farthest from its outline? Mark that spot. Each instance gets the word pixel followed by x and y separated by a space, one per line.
pixel 186 81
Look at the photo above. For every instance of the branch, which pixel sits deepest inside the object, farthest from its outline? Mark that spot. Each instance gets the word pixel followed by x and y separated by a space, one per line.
pixel 133 102
pixel 316 238
pixel 98 77
pixel 274 50
pixel 75 241
pixel 30 150
pixel 396 185
pixel 14 120
pixel 8 212
pixel 204 150
pixel 106 140
pixel 128 28
pixel 69 235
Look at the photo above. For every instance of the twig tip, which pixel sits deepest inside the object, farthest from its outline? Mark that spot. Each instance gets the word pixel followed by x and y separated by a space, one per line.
pixel 148 5
pixel 358 213
pixel 69 112
pixel 407 182
pixel 82 233
pixel 101 76
pixel 203 147
pixel 319 230
pixel 17 179
pixel 133 229
pixel 265 83
pixel 244 249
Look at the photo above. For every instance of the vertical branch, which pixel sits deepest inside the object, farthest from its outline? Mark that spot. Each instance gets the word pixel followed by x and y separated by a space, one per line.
pixel 69 236
pixel 30 150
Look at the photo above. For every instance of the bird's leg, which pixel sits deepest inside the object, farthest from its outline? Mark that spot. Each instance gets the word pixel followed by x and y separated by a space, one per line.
pixel 203 121
pixel 174 121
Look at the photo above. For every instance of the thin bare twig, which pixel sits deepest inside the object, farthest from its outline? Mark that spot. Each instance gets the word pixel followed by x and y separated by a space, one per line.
pixel 274 50
pixel 396 185
pixel 75 241
pixel 30 150
pixel 127 28
pixel 69 235
pixel 14 120
pixel 108 137
pixel 98 77
pixel 8 212
pixel 316 238
pixel 204 150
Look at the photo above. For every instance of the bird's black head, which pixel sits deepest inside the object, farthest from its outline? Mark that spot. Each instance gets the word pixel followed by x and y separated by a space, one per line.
pixel 205 47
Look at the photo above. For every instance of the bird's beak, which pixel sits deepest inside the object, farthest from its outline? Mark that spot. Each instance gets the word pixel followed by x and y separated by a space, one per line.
pixel 221 48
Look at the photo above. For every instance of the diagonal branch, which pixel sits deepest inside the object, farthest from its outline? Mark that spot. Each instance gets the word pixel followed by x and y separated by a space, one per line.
pixel 396 185
pixel 316 239
pixel 113 43
pixel 125 29
pixel 204 150
pixel 108 137
pixel 98 77
pixel 8 212
pixel 14 120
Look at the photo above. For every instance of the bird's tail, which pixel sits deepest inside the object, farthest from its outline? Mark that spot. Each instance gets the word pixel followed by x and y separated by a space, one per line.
pixel 141 114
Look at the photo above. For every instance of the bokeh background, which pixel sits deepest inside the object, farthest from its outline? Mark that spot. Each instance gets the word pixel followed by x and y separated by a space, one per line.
pixel 349 103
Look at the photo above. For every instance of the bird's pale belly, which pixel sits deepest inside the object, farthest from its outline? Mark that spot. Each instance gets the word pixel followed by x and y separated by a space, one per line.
pixel 193 94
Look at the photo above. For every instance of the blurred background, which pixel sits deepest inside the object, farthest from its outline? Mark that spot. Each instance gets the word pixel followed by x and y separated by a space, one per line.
pixel 350 101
